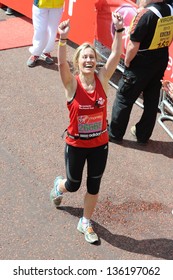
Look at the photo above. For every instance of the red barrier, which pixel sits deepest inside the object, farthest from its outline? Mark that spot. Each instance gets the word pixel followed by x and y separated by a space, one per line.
pixel 22 6
pixel 104 10
pixel 81 13
pixel 127 8
pixel 169 70
pixel 91 19
pixel 82 16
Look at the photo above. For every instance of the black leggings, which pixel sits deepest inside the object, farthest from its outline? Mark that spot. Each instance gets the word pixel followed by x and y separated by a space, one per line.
pixel 75 159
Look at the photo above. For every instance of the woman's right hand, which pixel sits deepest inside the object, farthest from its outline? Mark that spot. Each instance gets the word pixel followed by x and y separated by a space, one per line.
pixel 64 28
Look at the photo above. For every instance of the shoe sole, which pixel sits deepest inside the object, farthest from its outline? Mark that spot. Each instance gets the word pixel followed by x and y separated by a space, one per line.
pixel 32 65
pixel 49 63
pixel 57 200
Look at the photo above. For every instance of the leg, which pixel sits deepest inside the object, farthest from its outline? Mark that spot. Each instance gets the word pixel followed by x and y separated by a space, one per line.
pixel 96 159
pixel 120 117
pixel 40 22
pixel 75 160
pixel 90 202
pixel 74 157
pixel 151 95
pixel 145 126
pixel 127 93
pixel 54 17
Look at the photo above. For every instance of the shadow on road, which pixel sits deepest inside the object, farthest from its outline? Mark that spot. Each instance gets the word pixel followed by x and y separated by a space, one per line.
pixel 155 147
pixel 160 248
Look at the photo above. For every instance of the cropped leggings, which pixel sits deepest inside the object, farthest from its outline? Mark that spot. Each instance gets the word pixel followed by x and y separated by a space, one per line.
pixel 75 159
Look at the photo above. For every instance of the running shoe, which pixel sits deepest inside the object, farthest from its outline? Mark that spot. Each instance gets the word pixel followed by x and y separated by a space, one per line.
pixel 55 195
pixel 47 58
pixel 133 132
pixel 31 62
pixel 9 11
pixel 90 235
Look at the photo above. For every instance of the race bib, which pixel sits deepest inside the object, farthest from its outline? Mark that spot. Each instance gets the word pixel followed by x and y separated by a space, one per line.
pixel 90 123
pixel 163 33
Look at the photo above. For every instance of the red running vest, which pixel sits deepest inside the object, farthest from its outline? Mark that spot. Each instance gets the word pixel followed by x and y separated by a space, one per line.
pixel 88 116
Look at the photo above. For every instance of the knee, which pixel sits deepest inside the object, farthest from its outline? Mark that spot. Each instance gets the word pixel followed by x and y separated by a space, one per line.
pixel 72 186
pixel 93 185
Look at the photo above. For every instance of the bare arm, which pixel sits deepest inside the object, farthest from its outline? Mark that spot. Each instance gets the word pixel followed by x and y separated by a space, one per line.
pixel 67 77
pixel 108 69
pixel 132 49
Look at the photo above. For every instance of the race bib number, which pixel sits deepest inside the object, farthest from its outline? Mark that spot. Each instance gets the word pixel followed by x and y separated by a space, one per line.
pixel 163 34
pixel 90 123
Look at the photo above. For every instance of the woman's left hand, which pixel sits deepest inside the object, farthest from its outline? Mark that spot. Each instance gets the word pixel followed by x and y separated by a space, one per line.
pixel 117 20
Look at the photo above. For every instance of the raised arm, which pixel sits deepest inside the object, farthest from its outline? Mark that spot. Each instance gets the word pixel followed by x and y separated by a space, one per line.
pixel 67 77
pixel 108 69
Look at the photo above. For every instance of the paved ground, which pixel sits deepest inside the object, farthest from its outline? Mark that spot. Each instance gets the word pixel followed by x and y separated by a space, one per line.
pixel 134 214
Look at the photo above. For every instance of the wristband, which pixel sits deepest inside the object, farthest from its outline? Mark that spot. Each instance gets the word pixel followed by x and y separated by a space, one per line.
pixel 61 44
pixel 120 30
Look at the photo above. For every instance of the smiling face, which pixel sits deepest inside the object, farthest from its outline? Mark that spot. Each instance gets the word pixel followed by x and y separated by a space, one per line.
pixel 87 60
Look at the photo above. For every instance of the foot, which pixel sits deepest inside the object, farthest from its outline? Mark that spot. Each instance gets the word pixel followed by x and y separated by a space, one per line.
pixel 9 12
pixel 31 62
pixel 87 230
pixel 55 195
pixel 133 132
pixel 115 140
pixel 47 58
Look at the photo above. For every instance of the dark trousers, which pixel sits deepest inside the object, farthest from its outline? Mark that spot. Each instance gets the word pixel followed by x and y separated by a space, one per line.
pixel 75 159
pixel 143 75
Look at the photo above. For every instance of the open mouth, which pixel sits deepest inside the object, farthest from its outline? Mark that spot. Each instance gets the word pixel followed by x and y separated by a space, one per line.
pixel 88 66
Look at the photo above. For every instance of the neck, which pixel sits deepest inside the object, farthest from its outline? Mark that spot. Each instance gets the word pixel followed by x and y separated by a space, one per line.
pixel 87 79
pixel 88 82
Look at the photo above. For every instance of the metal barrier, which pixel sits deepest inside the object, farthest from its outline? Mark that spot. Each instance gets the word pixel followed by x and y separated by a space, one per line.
pixel 166 108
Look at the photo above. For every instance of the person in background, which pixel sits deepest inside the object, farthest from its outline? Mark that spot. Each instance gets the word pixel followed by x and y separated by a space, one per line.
pixel 46 16
pixel 87 136
pixel 9 11
pixel 145 62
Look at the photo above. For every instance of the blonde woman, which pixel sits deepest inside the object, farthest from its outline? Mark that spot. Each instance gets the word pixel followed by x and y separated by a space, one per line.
pixel 87 136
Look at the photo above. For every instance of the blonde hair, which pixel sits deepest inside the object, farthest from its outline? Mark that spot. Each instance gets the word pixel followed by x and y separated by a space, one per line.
pixel 78 51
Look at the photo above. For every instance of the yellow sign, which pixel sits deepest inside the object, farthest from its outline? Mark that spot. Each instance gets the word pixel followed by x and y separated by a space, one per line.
pixel 163 33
